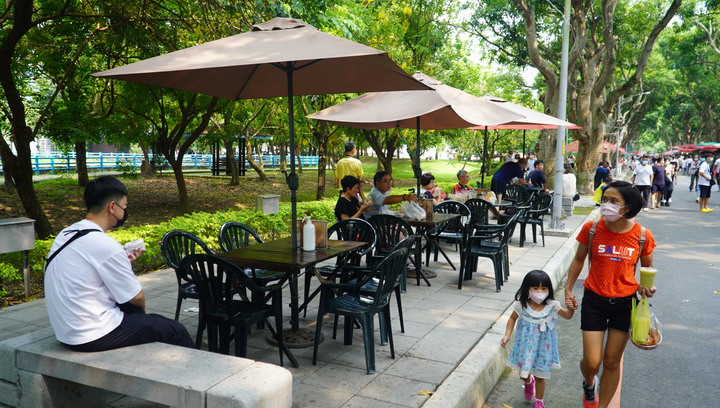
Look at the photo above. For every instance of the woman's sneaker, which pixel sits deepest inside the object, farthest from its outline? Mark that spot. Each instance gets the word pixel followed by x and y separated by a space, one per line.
pixel 590 394
pixel 539 404
pixel 530 389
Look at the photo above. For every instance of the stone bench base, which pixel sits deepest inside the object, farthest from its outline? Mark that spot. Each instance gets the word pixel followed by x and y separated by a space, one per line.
pixel 36 370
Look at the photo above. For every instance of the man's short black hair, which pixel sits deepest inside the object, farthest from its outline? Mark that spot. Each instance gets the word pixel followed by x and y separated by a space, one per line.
pixel 425 179
pixel 601 163
pixel 538 162
pixel 631 195
pixel 379 175
pixel 349 146
pixel 100 191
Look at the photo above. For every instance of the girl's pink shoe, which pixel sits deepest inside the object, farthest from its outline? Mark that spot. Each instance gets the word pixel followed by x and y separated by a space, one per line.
pixel 539 404
pixel 530 389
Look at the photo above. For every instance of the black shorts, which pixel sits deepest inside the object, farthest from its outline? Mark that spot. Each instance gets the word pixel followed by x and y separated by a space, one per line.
pixel 599 313
pixel 497 187
pixel 704 191
pixel 657 188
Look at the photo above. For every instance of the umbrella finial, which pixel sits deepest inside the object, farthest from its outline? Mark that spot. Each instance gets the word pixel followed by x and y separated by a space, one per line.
pixel 280 23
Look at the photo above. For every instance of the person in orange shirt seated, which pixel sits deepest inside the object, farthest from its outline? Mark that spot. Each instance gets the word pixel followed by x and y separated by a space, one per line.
pixel 610 286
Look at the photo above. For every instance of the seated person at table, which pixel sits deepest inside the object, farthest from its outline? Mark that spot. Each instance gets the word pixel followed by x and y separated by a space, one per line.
pixel 380 194
pixel 348 205
pixel 537 176
pixel 429 190
pixel 94 300
pixel 505 175
pixel 462 185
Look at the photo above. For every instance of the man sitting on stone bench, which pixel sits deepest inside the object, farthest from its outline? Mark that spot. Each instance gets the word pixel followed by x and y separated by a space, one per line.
pixel 94 300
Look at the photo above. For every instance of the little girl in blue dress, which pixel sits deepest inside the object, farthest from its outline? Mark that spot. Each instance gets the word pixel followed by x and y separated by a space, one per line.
pixel 535 351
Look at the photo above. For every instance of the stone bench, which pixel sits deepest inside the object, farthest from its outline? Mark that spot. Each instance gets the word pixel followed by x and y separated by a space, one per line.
pixel 37 371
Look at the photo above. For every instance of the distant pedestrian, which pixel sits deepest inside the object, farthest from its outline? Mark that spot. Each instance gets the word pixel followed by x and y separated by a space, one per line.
pixel 349 166
pixel 705 181
pixel 601 172
pixel 642 178
pixel 616 243
pixel 535 350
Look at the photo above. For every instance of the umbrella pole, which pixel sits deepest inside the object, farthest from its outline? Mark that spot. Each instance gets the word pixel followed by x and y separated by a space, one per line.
pixel 418 171
pixel 292 179
pixel 523 142
pixel 484 157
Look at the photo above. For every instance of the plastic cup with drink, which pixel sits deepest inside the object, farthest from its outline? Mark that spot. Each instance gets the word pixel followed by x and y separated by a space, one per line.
pixel 647 277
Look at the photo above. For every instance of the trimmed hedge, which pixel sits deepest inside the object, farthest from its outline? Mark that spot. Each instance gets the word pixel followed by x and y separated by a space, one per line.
pixel 204 225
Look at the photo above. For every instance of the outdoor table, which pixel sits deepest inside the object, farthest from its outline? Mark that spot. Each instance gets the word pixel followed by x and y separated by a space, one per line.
pixel 279 256
pixel 423 227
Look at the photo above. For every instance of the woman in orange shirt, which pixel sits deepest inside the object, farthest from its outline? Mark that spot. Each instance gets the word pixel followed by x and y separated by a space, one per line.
pixel 609 287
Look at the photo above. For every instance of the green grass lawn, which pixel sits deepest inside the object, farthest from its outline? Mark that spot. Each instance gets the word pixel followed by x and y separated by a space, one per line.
pixel 445 171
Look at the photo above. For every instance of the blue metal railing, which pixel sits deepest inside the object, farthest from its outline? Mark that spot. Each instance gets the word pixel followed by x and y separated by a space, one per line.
pixel 58 162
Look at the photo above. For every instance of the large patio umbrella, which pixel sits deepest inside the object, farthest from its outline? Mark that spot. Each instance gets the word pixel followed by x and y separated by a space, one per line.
pixel 533 120
pixel 444 107
pixel 282 57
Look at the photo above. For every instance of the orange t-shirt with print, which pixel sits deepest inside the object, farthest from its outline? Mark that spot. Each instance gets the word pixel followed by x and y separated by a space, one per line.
pixel 612 266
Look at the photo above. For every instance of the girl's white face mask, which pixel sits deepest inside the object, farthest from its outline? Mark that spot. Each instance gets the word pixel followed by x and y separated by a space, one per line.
pixel 610 211
pixel 538 297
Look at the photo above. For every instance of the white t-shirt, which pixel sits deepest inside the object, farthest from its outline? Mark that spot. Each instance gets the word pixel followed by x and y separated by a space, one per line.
pixel 643 174
pixel 705 169
pixel 84 283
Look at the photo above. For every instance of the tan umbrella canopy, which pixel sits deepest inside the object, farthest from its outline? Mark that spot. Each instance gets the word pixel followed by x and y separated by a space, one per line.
pixel 282 57
pixel 533 120
pixel 444 107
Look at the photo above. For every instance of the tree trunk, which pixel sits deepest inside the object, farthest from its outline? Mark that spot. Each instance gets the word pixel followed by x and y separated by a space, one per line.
pixel 322 165
pixel 258 167
pixel 23 176
pixel 176 165
pixel 384 148
pixel 81 163
pixel 232 164
pixel 8 161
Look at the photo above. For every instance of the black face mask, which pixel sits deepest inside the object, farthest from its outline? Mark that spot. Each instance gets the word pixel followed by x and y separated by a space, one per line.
pixel 121 221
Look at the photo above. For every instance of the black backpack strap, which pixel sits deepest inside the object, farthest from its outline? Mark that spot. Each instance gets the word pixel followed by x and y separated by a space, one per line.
pixel 78 234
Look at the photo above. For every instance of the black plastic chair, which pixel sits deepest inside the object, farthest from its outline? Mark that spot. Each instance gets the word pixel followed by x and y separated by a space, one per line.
pixel 234 235
pixel 354 305
pixel 539 206
pixel 481 211
pixel 228 318
pixel 481 242
pixel 390 231
pixel 174 246
pixel 517 194
pixel 370 287
pixel 452 231
pixel 351 229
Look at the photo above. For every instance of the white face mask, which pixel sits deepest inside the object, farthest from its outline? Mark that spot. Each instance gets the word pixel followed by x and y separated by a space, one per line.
pixel 610 211
pixel 538 297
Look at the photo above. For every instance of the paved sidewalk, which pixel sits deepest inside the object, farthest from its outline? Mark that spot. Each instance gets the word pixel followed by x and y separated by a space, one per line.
pixel 450 345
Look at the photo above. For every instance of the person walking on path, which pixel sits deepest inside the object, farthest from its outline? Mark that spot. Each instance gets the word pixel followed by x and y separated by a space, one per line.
pixel 349 166
pixel 94 300
pixel 613 246
pixel 658 187
pixel 705 182
pixel 601 172
pixel 535 351
pixel 643 178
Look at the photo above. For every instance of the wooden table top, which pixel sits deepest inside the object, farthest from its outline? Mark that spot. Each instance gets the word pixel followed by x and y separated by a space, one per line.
pixel 431 220
pixel 279 255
